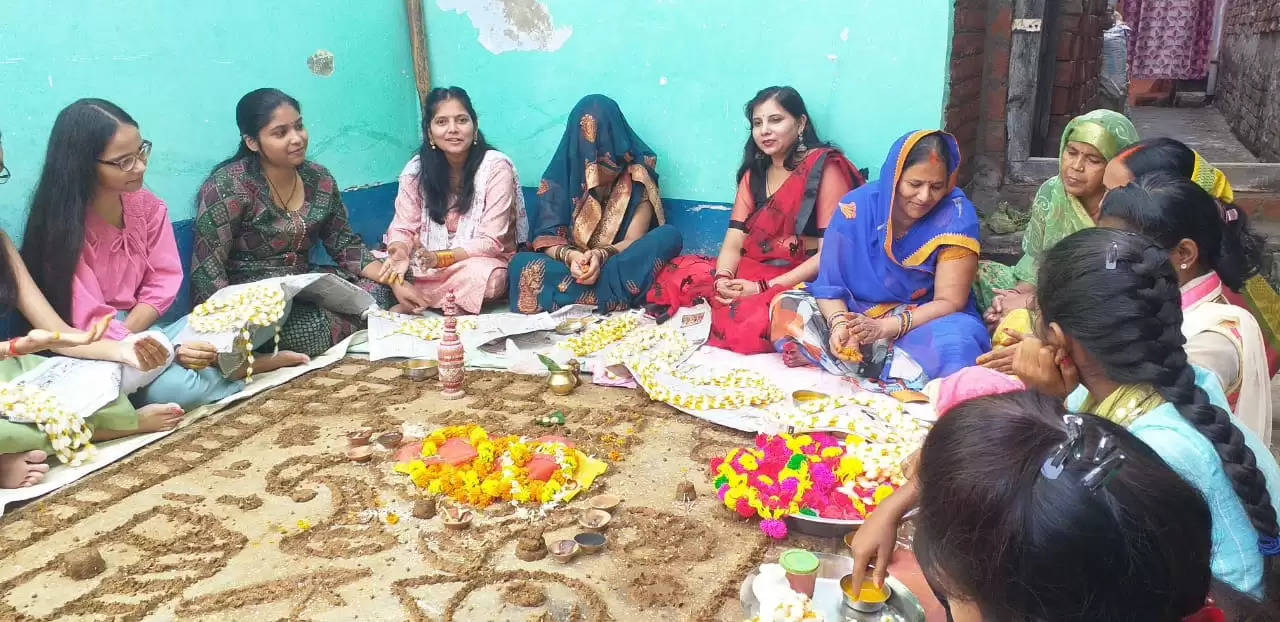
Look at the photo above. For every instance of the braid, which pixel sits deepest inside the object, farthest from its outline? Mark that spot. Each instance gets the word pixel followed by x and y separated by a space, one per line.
pixel 1176 383
pixel 1137 339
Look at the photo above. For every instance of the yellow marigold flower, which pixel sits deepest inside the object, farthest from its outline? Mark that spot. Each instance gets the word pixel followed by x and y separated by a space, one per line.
pixel 882 491
pixel 429 449
pixel 392 518
pixel 748 462
pixel 832 452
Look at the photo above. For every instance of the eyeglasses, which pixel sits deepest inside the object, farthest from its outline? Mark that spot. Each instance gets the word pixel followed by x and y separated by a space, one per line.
pixel 130 162
pixel 4 174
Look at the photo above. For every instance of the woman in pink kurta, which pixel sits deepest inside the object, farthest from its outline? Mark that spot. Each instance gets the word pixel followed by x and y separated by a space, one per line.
pixel 463 243
pixel 121 268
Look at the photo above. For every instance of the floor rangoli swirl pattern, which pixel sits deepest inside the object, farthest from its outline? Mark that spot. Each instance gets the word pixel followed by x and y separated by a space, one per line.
pixel 255 514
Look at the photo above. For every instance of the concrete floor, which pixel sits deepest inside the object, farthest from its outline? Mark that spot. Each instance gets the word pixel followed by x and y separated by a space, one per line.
pixel 1202 129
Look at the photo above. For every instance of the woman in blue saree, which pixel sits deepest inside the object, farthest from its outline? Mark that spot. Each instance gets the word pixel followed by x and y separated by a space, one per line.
pixel 600 236
pixel 892 301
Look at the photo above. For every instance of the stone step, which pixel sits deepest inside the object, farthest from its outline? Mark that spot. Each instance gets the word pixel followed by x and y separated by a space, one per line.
pixel 1190 99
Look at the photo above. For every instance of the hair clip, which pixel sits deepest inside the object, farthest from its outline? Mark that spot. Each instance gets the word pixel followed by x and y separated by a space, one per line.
pixel 1231 214
pixel 1113 256
pixel 1106 458
pixel 1070 448
pixel 1098 476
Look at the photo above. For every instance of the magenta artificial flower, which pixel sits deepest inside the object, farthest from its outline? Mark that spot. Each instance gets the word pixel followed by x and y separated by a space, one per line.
pixel 774 528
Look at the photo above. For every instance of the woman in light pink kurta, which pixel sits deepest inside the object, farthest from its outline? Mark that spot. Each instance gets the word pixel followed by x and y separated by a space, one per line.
pixel 488 232
pixel 123 267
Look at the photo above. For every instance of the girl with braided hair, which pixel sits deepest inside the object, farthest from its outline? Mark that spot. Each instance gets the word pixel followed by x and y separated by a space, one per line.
pixel 1212 250
pixel 1109 340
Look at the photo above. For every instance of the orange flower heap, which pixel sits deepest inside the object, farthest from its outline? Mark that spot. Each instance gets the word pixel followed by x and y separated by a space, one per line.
pixel 479 470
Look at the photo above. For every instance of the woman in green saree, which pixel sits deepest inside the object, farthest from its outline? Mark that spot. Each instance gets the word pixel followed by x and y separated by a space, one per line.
pixel 1065 204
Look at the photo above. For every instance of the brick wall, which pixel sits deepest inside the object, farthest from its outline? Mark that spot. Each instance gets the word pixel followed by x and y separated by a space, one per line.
pixel 1079 65
pixel 1248 92
pixel 979 88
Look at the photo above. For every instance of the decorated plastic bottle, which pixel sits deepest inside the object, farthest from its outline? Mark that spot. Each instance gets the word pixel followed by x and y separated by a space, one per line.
pixel 449 353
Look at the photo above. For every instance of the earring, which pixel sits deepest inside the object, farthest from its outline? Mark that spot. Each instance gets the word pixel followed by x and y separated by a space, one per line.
pixel 432 143
pixel 475 140
pixel 1183 266
pixel 800 146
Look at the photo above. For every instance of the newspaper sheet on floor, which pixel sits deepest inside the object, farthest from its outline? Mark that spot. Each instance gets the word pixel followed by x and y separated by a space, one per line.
pixel 325 290
pixel 486 338
pixel 672 363
pixel 94 387
pixel 81 386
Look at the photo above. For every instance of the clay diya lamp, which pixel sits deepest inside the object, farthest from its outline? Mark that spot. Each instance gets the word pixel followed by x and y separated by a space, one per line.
pixel 361 453
pixel 390 440
pixel 595 520
pixel 604 502
pixel 457 518
pixel 421 369
pixel 590 542
pixel 356 438
pixel 867 598
pixel 563 550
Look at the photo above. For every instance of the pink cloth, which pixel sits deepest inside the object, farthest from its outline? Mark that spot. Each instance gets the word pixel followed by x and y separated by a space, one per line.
pixel 972 383
pixel 1170 38
pixel 483 274
pixel 120 269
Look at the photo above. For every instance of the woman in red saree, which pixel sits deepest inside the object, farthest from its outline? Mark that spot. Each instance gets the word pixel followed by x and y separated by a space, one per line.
pixel 788 187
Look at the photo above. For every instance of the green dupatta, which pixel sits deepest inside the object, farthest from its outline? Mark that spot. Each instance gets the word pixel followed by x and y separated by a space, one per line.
pixel 1055 214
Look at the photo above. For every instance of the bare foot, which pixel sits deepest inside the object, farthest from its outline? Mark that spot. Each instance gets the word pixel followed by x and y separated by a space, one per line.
pixel 791 356
pixel 22 470
pixel 151 418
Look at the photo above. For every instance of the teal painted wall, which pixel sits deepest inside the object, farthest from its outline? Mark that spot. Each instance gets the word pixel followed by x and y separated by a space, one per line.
pixel 179 66
pixel 869 70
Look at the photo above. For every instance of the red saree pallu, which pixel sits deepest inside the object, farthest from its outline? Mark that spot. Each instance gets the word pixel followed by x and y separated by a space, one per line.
pixel 773 247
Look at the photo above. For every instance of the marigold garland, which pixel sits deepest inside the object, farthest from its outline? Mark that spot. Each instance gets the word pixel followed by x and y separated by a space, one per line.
pixel 67 431
pixel 499 471
pixel 811 474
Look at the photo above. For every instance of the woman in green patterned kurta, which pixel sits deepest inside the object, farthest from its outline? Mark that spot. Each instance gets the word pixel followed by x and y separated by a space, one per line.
pixel 1066 203
pixel 259 213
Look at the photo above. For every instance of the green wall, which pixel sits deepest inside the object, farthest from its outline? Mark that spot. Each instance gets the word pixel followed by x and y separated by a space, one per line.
pixel 179 66
pixel 870 70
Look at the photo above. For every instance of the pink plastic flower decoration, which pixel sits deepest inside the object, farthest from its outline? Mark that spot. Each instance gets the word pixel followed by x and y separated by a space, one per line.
pixel 774 528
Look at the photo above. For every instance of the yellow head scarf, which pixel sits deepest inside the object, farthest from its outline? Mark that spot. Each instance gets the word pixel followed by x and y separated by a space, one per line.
pixel 1212 180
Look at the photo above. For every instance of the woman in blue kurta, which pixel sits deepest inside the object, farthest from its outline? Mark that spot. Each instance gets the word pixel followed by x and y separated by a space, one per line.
pixel 599 237
pixel 892 300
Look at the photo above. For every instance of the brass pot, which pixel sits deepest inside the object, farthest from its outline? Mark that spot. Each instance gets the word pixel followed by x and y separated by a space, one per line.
pixel 562 382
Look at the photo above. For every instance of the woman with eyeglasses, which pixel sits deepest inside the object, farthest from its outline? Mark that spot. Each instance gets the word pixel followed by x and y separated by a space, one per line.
pixel 25 449
pixel 91 220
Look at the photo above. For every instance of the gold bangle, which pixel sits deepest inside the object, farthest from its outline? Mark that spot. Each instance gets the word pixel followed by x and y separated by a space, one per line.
pixel 444 259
